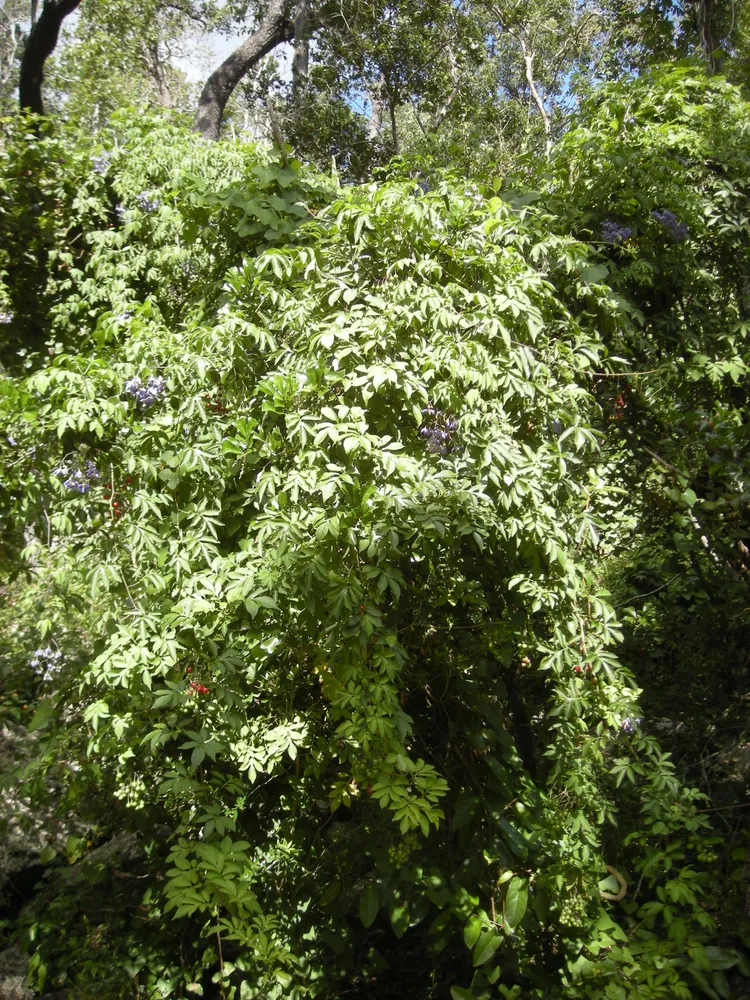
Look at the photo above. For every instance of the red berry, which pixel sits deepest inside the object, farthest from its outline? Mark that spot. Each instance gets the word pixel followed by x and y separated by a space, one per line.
pixel 577 668
pixel 188 670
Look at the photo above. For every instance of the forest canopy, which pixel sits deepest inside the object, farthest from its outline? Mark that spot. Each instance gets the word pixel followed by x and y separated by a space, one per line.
pixel 374 491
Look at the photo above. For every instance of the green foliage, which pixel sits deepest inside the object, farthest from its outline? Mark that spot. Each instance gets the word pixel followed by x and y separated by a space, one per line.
pixel 350 673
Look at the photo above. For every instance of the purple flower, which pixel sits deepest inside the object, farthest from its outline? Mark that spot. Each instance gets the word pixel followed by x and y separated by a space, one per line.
pixel 90 470
pixel 614 233
pixel 46 661
pixel 438 430
pixel 101 163
pixel 677 230
pixel 147 202
pixel 77 482
pixel 149 394
pixel 629 725
pixel 6 317
pixel 121 212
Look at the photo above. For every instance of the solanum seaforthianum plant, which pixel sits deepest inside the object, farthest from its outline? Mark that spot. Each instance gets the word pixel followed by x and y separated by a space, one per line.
pixel 328 510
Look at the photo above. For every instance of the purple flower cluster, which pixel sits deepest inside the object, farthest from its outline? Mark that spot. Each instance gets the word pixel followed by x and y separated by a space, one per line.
pixel 121 212
pixel 47 662
pixel 6 317
pixel 677 230
pixel 124 316
pixel 629 725
pixel 77 482
pixel 80 480
pixel 101 163
pixel 147 202
pixel 149 394
pixel 439 431
pixel 612 232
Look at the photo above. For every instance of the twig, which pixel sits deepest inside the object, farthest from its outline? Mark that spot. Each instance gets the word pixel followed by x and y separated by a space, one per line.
pixel 647 594
pixel 221 958
pixel 713 809
pixel 615 897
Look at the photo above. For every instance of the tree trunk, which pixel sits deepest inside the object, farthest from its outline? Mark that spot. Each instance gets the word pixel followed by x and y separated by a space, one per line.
pixel 301 61
pixel 39 47
pixel 708 37
pixel 453 67
pixel 394 129
pixel 156 69
pixel 528 59
pixel 375 94
pixel 272 30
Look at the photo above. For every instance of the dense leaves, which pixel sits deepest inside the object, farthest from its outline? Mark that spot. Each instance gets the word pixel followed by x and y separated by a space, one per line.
pixel 324 484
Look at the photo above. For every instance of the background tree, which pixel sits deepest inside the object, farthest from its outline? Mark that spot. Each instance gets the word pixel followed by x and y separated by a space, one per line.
pixel 14 24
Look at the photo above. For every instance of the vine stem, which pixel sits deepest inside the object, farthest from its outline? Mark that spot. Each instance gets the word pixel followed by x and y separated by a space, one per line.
pixel 221 959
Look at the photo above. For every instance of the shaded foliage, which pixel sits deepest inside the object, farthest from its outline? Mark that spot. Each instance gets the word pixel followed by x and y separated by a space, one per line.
pixel 358 462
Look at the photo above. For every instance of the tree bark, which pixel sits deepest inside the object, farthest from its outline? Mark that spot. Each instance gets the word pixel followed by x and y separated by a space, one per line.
pixel 301 60
pixel 39 47
pixel 375 94
pixel 708 37
pixel 528 59
pixel 272 30
pixel 156 69
pixel 441 115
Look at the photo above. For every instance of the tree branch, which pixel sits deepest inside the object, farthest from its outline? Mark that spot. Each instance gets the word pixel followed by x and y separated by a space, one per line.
pixel 528 59
pixel 453 68
pixel 301 59
pixel 39 47
pixel 272 30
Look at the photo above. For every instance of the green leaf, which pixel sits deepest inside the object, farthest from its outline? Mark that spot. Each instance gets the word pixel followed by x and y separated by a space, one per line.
pixel 486 947
pixel 369 904
pixel 594 273
pixel 459 993
pixel 516 900
pixel 399 915
pixel 43 715
pixel 472 930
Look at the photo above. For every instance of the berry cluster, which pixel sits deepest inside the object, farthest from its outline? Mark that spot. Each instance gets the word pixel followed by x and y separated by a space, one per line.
pixel 196 686
pixel 677 230
pixel 618 408
pixel 215 403
pixel 117 505
pixel 148 202
pixel 612 232
pixel 439 431
pixel 573 911
pixel 399 853
pixel 586 671
pixel 149 394
pixel 47 662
